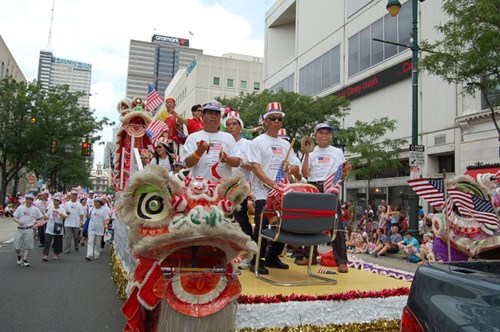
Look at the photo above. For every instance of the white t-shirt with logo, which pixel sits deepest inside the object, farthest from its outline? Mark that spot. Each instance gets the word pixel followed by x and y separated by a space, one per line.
pixel 244 146
pixel 97 218
pixel 269 152
pixel 27 215
pixel 323 162
pixel 54 218
pixel 162 162
pixel 42 205
pixel 219 142
pixel 73 210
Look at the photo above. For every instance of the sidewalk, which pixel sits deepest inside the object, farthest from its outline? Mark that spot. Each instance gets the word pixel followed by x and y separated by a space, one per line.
pixel 7 229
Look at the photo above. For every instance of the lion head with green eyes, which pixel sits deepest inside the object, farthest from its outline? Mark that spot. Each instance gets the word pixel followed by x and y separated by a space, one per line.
pixel 186 228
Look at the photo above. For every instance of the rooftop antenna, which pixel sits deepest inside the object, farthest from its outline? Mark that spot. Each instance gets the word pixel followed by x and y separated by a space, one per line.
pixel 50 30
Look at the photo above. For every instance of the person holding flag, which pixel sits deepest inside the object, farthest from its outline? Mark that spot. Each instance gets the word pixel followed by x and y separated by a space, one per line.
pixel 268 156
pixel 323 167
pixel 211 153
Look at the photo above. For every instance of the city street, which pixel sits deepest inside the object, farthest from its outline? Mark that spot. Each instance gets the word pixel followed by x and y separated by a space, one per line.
pixel 70 294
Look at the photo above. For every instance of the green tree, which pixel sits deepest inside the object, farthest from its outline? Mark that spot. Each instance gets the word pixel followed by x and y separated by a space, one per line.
pixel 30 119
pixel 372 153
pixel 302 113
pixel 469 51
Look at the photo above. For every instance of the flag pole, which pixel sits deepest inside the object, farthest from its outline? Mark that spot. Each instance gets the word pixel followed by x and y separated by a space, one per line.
pixel 447 219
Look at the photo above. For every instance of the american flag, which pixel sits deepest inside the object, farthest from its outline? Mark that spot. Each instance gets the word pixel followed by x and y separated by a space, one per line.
pixel 153 99
pixel 432 190
pixel 333 182
pixel 281 184
pixel 155 128
pixel 261 121
pixel 473 206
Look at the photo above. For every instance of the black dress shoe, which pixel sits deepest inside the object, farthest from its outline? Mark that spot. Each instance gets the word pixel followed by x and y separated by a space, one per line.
pixel 277 264
pixel 262 269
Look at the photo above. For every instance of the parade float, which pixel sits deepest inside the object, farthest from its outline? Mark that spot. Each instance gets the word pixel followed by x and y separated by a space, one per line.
pixel 176 247
pixel 467 225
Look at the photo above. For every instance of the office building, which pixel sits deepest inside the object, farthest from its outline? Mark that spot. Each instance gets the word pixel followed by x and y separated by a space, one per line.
pixel 8 65
pixel 320 48
pixel 156 63
pixel 54 71
pixel 209 76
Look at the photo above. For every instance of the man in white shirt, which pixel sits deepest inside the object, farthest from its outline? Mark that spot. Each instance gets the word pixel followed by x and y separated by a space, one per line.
pixel 74 220
pixel 43 205
pixel 25 216
pixel 323 161
pixel 267 153
pixel 209 147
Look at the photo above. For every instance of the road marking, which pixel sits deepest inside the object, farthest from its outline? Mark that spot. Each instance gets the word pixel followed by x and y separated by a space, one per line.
pixel 9 241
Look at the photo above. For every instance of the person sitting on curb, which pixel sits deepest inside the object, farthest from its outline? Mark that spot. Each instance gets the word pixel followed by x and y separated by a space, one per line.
pixel 391 246
pixel 409 248
pixel 426 254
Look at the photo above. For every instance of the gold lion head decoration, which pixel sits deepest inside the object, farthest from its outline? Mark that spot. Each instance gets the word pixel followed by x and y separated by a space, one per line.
pixel 185 243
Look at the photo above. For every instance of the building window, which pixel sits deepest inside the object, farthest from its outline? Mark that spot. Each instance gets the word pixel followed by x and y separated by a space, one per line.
pixel 447 162
pixel 230 83
pixel 493 94
pixel 216 81
pixel 364 52
pixel 256 86
pixel 243 85
pixel 320 74
pixel 286 84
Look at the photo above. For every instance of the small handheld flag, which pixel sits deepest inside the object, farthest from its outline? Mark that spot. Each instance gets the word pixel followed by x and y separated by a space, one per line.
pixel 153 99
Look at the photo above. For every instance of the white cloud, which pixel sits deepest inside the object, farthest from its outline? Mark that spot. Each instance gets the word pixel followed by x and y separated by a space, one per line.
pixel 99 32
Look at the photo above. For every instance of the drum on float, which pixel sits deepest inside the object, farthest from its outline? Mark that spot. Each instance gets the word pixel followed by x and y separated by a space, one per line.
pixel 274 202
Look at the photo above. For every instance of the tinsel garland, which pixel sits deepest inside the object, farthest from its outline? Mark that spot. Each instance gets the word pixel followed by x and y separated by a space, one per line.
pixel 118 274
pixel 351 295
pixel 380 325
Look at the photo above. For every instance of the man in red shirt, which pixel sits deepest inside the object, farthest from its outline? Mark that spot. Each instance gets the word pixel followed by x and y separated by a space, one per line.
pixel 195 123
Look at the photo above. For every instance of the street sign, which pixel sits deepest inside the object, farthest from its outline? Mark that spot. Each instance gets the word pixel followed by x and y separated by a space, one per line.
pixel 415 173
pixel 417 155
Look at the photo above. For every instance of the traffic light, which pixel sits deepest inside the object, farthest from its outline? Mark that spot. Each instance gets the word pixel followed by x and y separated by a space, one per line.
pixel 53 147
pixel 85 149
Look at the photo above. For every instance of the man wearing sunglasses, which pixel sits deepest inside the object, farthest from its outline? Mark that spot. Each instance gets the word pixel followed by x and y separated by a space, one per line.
pixel 267 153
pixel 195 123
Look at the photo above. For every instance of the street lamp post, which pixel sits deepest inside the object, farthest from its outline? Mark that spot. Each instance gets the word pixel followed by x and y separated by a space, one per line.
pixel 393 7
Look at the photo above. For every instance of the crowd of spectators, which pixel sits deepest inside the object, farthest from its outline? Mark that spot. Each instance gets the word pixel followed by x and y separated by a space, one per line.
pixel 387 232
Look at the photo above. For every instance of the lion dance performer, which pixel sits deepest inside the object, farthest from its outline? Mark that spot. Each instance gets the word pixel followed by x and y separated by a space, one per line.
pixel 134 117
pixel 185 245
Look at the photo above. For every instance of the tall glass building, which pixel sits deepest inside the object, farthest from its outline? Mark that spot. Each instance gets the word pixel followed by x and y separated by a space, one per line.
pixel 156 62
pixel 54 71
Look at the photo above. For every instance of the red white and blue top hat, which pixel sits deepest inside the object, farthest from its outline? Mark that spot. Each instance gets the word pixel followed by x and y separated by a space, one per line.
pixel 273 108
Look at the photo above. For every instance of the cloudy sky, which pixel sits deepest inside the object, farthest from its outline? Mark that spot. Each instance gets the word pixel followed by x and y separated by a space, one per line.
pixel 99 32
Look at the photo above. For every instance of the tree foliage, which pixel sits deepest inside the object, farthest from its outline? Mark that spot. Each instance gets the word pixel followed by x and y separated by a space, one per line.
pixel 302 113
pixel 30 119
pixel 372 153
pixel 470 48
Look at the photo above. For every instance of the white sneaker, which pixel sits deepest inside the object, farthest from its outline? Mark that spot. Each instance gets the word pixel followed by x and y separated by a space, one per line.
pixel 19 260
pixel 25 263
pixel 244 265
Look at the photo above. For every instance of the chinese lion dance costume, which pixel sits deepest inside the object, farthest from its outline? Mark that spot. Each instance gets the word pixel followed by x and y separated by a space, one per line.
pixel 474 232
pixel 134 117
pixel 185 244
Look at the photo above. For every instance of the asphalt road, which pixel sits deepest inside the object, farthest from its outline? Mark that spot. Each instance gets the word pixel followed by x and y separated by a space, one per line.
pixel 70 294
